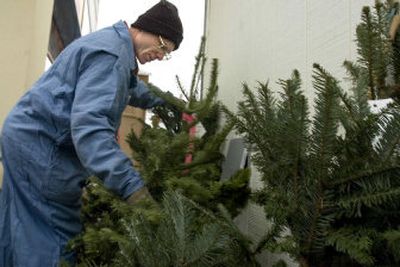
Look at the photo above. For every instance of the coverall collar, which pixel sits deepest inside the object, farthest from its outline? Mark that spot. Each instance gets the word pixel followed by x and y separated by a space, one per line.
pixel 122 29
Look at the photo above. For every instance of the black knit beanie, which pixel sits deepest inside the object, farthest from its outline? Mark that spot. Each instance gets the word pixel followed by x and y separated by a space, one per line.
pixel 162 19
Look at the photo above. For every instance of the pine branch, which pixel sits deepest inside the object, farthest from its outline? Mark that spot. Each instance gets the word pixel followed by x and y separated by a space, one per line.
pixel 389 142
pixel 253 116
pixel 203 63
pixel 293 112
pixel 393 239
pixel 382 48
pixel 325 120
pixel 365 40
pixel 370 199
pixel 356 242
pixel 359 88
pixel 374 172
pixel 269 239
pixel 197 74
pixel 180 86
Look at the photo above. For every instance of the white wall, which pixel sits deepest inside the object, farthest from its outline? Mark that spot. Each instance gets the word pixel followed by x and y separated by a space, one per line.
pixel 24 37
pixel 266 39
pixel 260 40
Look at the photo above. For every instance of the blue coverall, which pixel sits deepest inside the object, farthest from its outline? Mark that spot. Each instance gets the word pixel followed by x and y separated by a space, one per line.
pixel 60 132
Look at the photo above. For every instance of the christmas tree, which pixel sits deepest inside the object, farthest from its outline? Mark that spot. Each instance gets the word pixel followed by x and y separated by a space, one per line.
pixel 337 191
pixel 175 232
pixel 332 180
pixel 173 158
pixel 378 47
pixel 188 221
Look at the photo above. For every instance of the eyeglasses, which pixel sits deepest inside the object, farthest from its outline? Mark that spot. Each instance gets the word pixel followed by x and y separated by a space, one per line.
pixel 164 48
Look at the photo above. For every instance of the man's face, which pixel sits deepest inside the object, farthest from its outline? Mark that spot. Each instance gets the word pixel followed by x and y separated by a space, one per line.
pixel 149 47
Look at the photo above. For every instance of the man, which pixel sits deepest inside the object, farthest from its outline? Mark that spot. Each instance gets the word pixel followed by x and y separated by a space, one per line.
pixel 63 130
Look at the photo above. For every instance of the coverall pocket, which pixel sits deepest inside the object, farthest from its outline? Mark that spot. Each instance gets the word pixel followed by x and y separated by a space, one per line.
pixel 66 176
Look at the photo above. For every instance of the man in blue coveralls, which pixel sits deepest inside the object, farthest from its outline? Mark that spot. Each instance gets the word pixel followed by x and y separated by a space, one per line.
pixel 63 130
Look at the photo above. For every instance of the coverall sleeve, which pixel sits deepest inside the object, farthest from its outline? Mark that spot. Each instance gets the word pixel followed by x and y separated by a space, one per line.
pixel 143 98
pixel 98 99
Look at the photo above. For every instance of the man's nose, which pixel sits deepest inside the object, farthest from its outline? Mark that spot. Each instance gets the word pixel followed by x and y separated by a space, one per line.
pixel 160 56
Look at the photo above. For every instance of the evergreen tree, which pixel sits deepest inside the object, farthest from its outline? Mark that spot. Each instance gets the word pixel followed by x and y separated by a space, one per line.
pixel 175 232
pixel 188 223
pixel 337 192
pixel 378 56
pixel 161 152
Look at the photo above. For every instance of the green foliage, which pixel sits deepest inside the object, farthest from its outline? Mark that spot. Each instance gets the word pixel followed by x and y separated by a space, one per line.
pixel 161 161
pixel 103 214
pixel 355 242
pixel 379 57
pixel 182 238
pixel 161 152
pixel 331 181
pixel 337 171
pixel 374 48
pixel 280 263
pixel 189 222
pixel 393 241
pixel 179 232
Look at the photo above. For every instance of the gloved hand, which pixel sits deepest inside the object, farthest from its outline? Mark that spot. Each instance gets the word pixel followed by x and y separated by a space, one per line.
pixel 170 116
pixel 175 102
pixel 139 195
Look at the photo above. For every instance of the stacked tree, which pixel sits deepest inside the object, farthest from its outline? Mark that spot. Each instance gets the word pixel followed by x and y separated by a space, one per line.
pixel 338 194
pixel 188 222
pixel 333 180
pixel 379 51
pixel 174 159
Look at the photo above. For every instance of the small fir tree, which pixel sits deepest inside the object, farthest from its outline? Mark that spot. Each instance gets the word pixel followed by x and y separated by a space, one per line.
pixel 189 222
pixel 174 232
pixel 332 181
pixel 378 54
pixel 161 152
pixel 338 194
